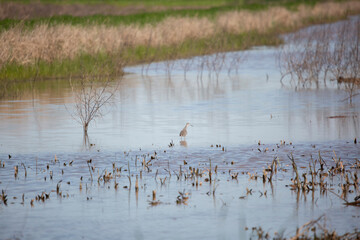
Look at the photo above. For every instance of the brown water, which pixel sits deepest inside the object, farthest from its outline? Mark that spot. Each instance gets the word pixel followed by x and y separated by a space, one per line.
pixel 236 109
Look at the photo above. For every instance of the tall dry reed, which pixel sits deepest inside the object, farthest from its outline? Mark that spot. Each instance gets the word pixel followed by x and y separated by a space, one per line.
pixel 64 41
pixel 244 21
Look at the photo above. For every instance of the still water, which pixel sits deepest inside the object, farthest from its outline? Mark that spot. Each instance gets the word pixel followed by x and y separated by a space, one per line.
pixel 151 110
pixel 235 106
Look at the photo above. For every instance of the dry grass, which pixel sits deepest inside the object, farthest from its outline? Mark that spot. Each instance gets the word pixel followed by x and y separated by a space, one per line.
pixel 65 41
pixel 26 46
pixel 244 21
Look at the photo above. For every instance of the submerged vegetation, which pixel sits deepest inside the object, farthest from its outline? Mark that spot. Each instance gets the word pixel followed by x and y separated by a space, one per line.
pixel 322 53
pixel 67 46
pixel 157 182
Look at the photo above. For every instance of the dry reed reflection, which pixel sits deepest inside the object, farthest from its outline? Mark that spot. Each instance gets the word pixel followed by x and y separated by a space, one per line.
pixel 329 52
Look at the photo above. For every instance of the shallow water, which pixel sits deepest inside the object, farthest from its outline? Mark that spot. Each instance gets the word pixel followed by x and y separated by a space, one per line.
pixel 98 210
pixel 237 105
pixel 150 111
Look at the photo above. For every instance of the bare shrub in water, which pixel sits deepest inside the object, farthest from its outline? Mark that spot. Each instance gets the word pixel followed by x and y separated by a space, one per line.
pixel 327 53
pixel 305 57
pixel 92 94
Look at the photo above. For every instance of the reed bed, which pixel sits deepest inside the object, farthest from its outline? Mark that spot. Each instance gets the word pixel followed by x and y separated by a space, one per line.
pixel 64 41
pixel 263 21
pixel 49 43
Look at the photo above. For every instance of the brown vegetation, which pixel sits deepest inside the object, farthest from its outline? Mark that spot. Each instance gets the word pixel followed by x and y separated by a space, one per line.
pixel 65 41
pixel 90 98
pixel 15 10
pixel 324 53
pixel 26 46
pixel 348 80
pixel 197 176
pixel 244 21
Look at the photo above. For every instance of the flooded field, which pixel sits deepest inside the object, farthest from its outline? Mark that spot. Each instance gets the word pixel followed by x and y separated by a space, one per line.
pixel 136 178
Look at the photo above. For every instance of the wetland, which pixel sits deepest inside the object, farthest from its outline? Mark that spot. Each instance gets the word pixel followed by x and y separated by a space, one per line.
pixel 264 158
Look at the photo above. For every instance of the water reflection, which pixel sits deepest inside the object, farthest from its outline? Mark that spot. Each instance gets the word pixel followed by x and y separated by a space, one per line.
pixel 235 107
pixel 87 145
pixel 183 143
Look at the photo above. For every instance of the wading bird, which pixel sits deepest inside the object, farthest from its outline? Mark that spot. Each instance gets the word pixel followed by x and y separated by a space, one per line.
pixel 183 132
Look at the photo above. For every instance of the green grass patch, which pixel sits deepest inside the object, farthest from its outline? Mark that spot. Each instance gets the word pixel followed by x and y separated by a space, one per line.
pixel 172 3
pixel 100 63
pixel 109 20
pixel 169 3
pixel 111 64
pixel 149 17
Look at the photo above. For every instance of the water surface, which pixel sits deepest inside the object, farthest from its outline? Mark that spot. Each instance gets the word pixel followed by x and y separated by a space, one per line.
pixel 151 110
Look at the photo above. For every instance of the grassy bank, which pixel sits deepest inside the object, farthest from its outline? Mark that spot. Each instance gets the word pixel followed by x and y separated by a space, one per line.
pixel 131 2
pixel 112 63
pixel 149 17
pixel 167 3
pixel 61 48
